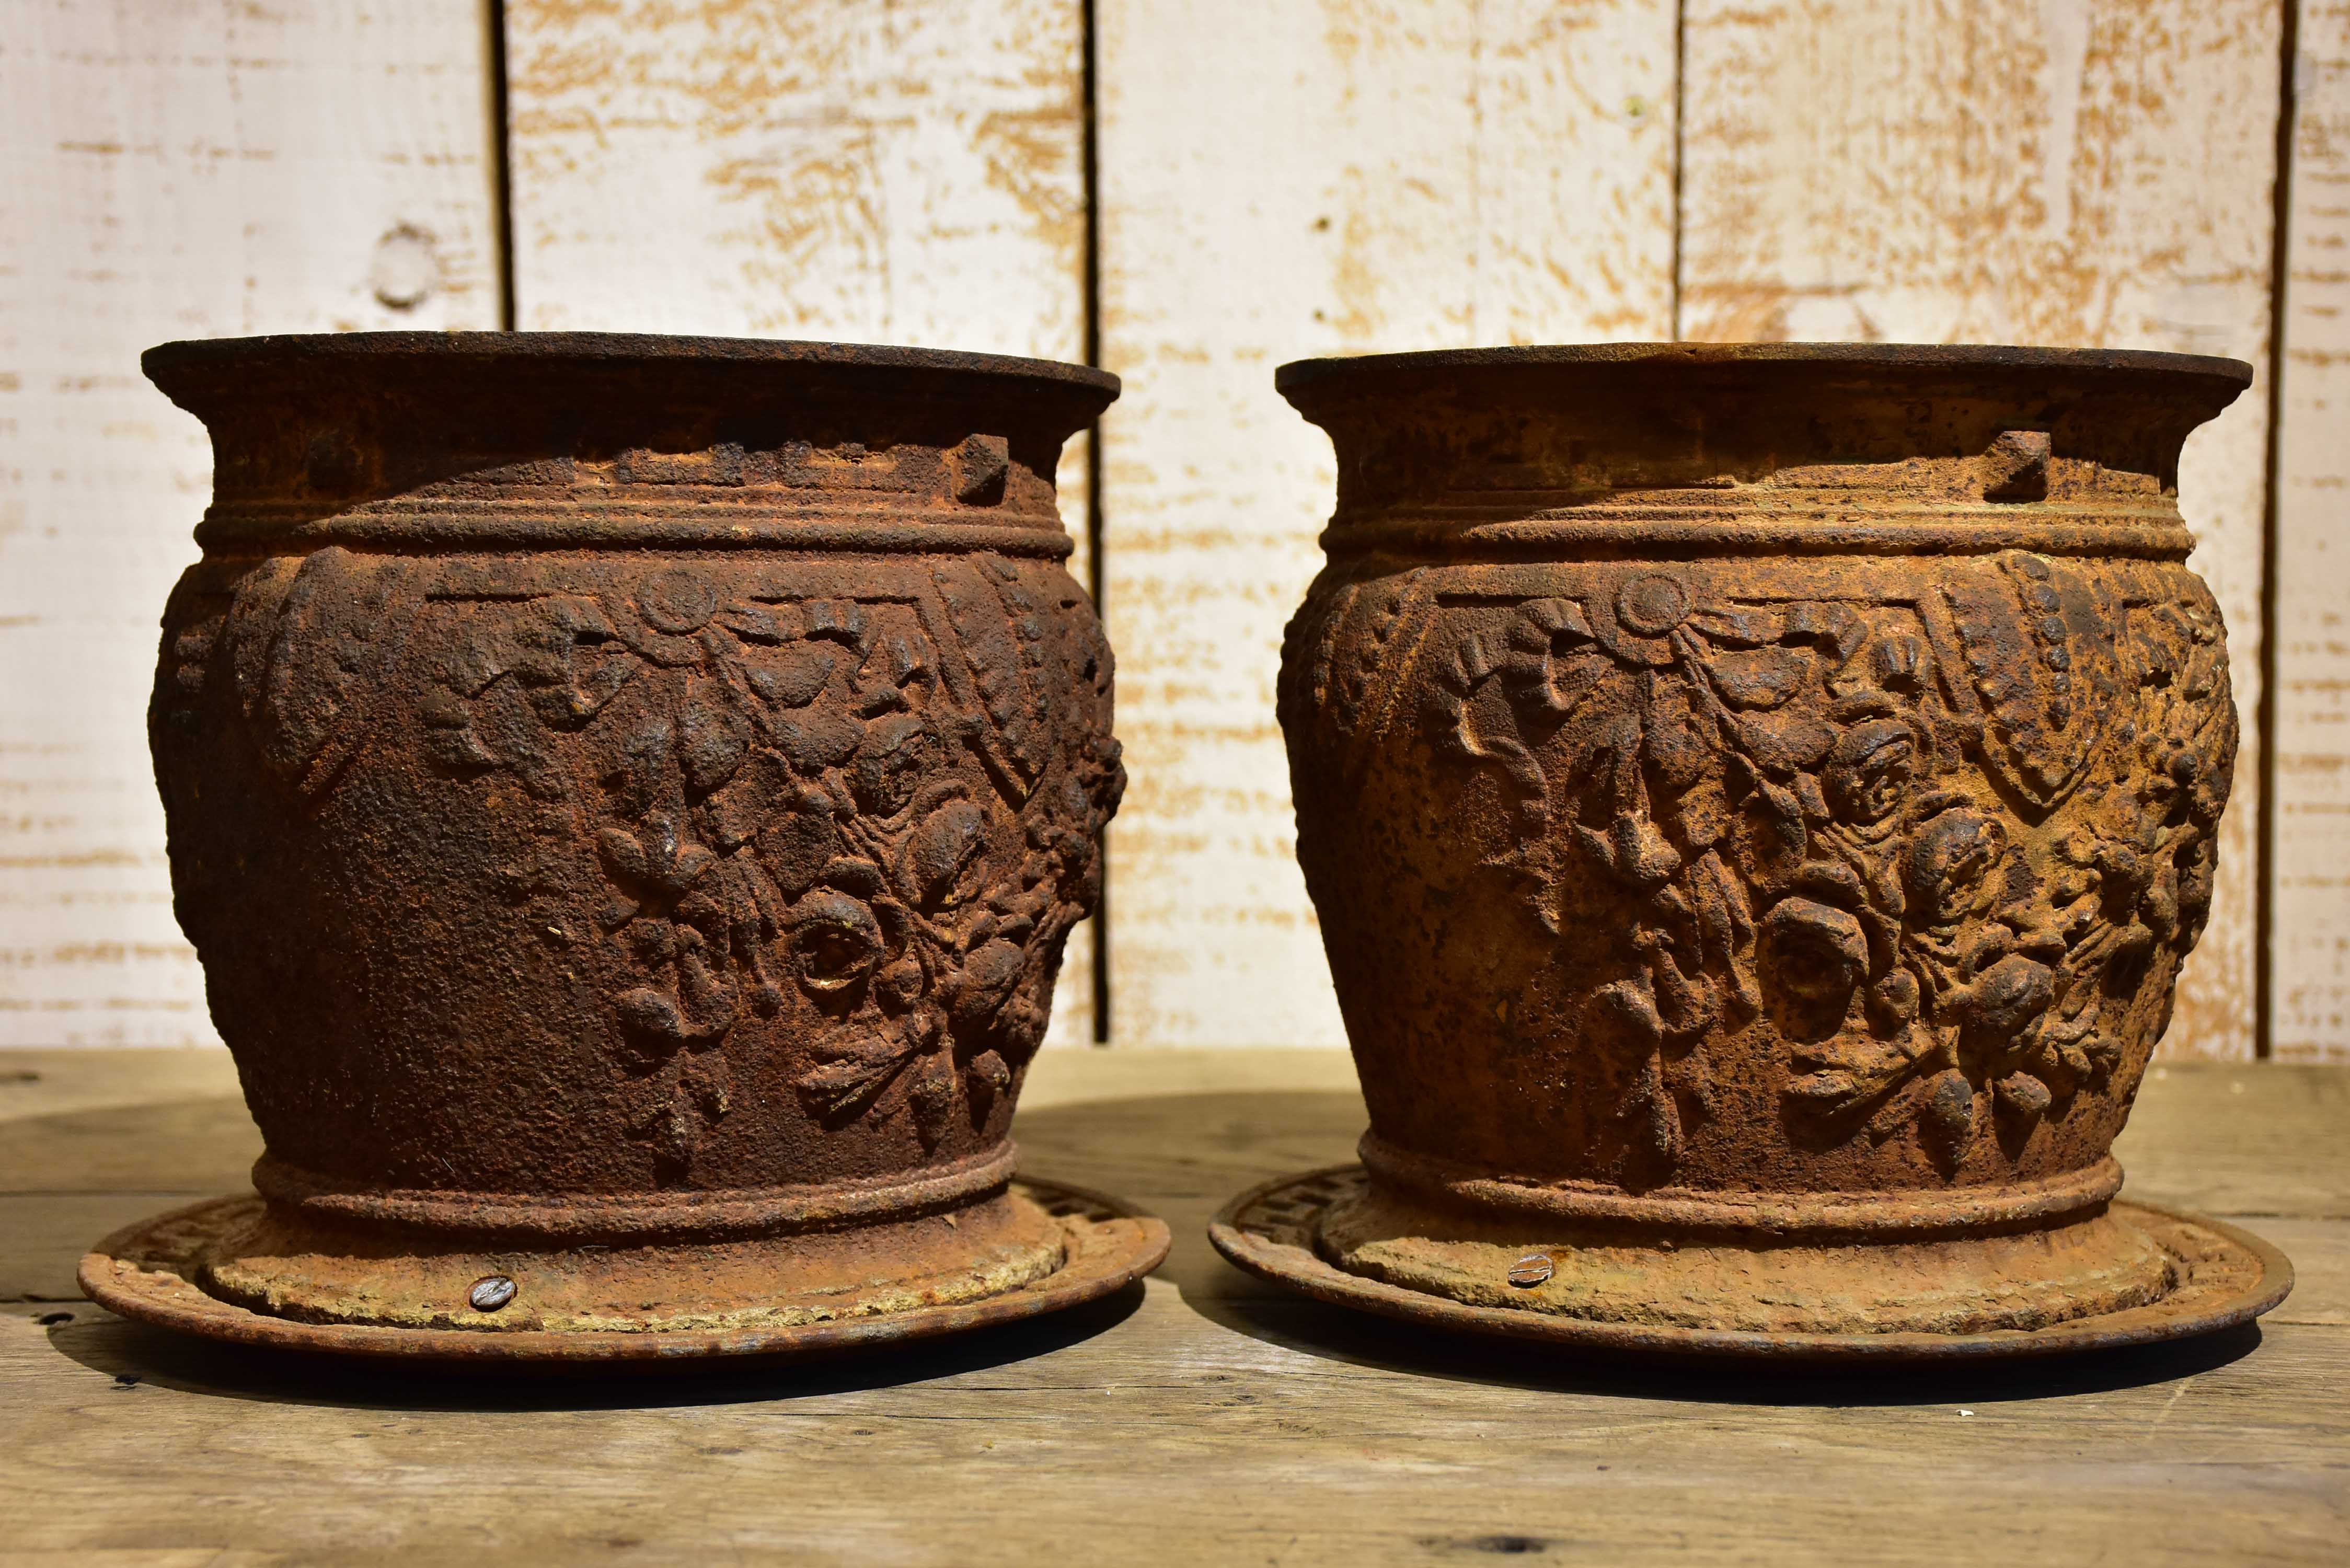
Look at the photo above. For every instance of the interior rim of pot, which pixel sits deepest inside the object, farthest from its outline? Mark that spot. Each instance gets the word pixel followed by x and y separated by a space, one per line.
pixel 605 350
pixel 1363 373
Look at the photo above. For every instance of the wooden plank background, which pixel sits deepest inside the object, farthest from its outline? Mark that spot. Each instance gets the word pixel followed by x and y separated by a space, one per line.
pixel 1267 179
pixel 1414 176
pixel 2309 875
pixel 177 168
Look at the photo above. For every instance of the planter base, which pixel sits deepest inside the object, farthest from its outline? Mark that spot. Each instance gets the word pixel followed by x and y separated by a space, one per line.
pixel 2132 1275
pixel 229 1269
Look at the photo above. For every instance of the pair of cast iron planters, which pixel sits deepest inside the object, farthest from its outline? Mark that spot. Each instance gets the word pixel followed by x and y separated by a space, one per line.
pixel 631 796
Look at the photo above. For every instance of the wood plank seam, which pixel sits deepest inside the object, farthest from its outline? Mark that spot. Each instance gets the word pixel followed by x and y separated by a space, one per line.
pixel 2308 632
pixel 1090 86
pixel 2265 729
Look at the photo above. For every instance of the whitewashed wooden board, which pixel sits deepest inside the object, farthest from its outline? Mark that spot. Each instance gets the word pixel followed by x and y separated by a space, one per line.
pixel 1276 179
pixel 2310 869
pixel 818 169
pixel 828 168
pixel 2043 171
pixel 177 168
pixel 1282 179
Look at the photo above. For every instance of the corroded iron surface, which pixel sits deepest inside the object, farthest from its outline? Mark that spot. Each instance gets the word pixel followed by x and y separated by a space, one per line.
pixel 1755 794
pixel 2224 1277
pixel 629 796
pixel 147 1271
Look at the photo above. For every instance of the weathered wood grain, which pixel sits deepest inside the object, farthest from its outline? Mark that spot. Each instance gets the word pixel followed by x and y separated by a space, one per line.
pixel 1205 1418
pixel 2043 171
pixel 176 168
pixel 1280 1437
pixel 1281 178
pixel 199 1146
pixel 60 1082
pixel 826 168
pixel 2320 1251
pixel 42 1236
pixel 2243 1141
pixel 2309 866
pixel 136 1557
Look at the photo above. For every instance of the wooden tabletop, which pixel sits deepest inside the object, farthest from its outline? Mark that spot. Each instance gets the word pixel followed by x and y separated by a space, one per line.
pixel 1202 1418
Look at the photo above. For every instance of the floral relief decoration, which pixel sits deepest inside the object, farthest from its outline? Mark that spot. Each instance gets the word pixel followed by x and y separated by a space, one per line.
pixel 1950 850
pixel 796 802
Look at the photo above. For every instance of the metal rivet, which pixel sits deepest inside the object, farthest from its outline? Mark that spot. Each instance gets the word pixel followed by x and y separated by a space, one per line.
pixel 1530 1271
pixel 489 1293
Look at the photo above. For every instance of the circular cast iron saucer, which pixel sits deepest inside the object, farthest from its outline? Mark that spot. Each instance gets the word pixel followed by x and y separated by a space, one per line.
pixel 136 1273
pixel 2228 1277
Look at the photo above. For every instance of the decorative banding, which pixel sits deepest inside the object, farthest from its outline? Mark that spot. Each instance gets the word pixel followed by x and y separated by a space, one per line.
pixel 1671 532
pixel 736 1213
pixel 508 531
pixel 1780 1214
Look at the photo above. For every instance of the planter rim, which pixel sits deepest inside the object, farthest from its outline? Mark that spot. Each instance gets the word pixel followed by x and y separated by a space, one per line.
pixel 1347 373
pixel 547 349
pixel 326 423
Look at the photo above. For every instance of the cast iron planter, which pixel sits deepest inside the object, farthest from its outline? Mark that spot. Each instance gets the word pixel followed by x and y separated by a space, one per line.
pixel 630 795
pixel 1758 800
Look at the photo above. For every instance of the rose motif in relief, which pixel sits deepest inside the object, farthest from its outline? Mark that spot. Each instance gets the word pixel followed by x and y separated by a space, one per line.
pixel 781 814
pixel 1794 801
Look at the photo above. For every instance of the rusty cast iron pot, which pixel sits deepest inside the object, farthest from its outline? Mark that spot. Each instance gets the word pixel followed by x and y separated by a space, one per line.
pixel 1758 800
pixel 630 795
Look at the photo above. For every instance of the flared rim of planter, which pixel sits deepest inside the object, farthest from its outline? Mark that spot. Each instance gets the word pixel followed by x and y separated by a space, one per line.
pixel 605 349
pixel 1386 373
pixel 342 421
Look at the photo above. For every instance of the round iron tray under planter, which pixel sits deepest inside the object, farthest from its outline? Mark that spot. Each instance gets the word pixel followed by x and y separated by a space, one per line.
pixel 148 1272
pixel 2223 1277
